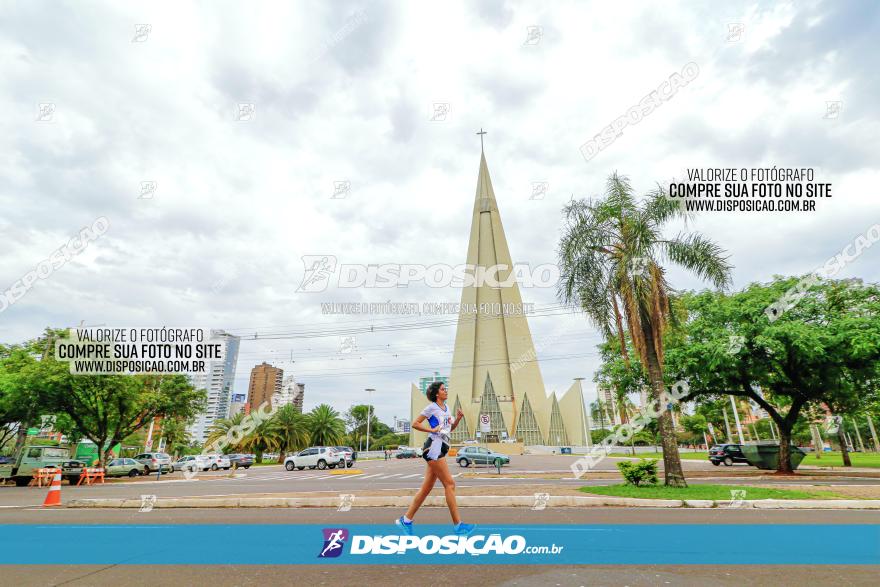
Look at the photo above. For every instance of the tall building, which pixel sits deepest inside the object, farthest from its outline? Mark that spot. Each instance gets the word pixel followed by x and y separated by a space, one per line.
pixel 424 382
pixel 494 368
pixel 292 393
pixel 236 405
pixel 217 380
pixel 266 382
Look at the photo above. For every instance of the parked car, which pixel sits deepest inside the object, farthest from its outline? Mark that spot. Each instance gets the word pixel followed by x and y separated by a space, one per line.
pixel 348 453
pixel 5 460
pixel 407 453
pixel 123 467
pixel 241 461
pixel 219 462
pixel 192 463
pixel 727 454
pixel 480 456
pixel 71 470
pixel 320 457
pixel 154 461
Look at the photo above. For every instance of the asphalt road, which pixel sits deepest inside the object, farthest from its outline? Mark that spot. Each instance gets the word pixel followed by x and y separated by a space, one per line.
pixel 404 474
pixel 221 575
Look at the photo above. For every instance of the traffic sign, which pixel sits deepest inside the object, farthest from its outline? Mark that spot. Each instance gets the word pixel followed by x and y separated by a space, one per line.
pixel 485 423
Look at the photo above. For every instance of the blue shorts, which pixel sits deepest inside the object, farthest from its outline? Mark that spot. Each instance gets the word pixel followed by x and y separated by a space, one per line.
pixel 432 452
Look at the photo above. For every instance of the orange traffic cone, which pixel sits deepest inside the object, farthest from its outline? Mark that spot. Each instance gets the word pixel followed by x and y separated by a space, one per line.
pixel 54 496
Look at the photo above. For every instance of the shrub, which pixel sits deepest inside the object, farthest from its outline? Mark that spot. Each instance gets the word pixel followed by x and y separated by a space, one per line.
pixel 643 472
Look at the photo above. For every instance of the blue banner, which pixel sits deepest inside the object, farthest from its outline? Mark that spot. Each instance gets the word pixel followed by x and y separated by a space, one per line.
pixel 292 544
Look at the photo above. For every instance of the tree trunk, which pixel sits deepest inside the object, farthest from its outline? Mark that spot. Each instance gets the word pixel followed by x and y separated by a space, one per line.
pixel 672 471
pixel 784 464
pixel 841 438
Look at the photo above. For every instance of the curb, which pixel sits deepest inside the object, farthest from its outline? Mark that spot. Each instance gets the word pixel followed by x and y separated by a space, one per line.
pixel 478 501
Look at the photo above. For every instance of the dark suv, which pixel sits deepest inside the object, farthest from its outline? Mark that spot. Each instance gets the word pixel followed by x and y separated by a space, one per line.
pixel 727 454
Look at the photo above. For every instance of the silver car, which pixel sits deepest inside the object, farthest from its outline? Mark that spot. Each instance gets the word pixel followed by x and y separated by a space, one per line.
pixel 192 463
pixel 154 461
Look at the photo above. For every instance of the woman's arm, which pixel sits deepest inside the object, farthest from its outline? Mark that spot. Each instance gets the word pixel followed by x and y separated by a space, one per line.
pixel 417 425
pixel 458 418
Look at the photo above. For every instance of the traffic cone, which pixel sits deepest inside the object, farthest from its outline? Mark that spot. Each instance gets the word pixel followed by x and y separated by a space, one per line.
pixel 54 496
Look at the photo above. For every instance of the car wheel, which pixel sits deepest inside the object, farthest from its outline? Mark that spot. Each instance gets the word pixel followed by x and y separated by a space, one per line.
pixel 133 473
pixel 464 463
pixel 300 468
pixel 728 461
pixel 716 463
pixel 226 468
pixel 322 464
pixel 247 466
pixel 289 465
pixel 214 467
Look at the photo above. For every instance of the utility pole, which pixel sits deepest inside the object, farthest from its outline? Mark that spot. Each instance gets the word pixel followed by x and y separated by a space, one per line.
pixel 858 434
pixel 873 433
pixel 369 414
pixel 726 424
pixel 739 429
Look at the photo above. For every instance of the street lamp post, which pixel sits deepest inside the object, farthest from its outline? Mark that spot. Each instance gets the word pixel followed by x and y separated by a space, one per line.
pixel 369 414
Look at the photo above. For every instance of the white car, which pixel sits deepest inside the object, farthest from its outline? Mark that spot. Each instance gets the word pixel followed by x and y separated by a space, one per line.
pixel 192 463
pixel 319 457
pixel 218 462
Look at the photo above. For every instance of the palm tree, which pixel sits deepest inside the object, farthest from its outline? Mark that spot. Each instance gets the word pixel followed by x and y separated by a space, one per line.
pixel 609 256
pixel 219 430
pixel 177 437
pixel 326 428
pixel 264 437
pixel 289 429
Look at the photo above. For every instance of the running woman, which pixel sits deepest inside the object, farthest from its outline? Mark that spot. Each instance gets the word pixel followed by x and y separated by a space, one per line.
pixel 440 426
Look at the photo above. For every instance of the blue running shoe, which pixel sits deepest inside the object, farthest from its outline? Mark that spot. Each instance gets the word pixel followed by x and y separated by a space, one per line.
pixel 462 529
pixel 407 527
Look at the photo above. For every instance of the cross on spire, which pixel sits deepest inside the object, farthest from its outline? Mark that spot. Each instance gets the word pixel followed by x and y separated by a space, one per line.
pixel 481 133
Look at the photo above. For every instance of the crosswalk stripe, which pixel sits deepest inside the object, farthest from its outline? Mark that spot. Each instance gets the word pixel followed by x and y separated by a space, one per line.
pixel 411 476
pixel 371 476
pixel 390 476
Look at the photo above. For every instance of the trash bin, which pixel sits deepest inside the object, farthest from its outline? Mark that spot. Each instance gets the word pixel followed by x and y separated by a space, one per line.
pixel 565 450
pixel 766 455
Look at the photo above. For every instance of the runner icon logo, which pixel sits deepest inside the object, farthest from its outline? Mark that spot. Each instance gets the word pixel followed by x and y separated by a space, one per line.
pixel 334 541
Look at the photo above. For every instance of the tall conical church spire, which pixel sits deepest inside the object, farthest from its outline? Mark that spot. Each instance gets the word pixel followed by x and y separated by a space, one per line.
pixel 493 344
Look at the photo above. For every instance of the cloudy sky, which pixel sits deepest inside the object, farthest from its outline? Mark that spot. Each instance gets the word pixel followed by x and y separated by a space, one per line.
pixel 348 92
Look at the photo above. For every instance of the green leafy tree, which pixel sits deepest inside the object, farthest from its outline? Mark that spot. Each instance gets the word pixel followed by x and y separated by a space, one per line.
pixel 326 428
pixel 823 349
pixel 610 257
